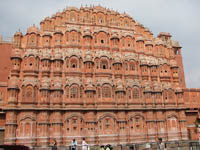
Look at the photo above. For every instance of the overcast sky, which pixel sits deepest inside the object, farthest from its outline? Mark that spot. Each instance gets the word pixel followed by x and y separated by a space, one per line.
pixel 179 17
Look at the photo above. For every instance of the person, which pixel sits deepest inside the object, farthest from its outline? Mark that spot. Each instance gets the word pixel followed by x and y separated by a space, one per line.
pixel 108 147
pixel 84 145
pixel 54 145
pixel 74 144
pixel 161 144
pixel 102 147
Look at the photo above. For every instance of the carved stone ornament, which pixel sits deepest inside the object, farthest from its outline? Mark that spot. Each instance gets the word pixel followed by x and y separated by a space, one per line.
pixel 130 56
pixel 153 61
pixel 73 80
pixel 131 83
pixel 57 83
pixel 45 54
pixel 157 87
pixel 101 29
pixel 29 80
pixel 147 87
pixel 127 33
pixel 179 90
pixel 73 28
pixel 101 53
pixel 30 52
pixel 104 80
pixel 73 52
pixel 58 54
pixel 45 83
pixel 89 85
pixel 114 34
pixel 143 60
pixel 162 61
pixel 119 85
pixel 167 86
pixel 117 58
pixel 87 32
pixel 173 63
pixel 13 83
pixel 16 53
pixel 88 56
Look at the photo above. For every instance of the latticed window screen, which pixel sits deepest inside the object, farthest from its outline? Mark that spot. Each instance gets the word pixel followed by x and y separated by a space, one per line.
pixel 136 93
pixel 74 92
pixel 106 92
pixel 132 66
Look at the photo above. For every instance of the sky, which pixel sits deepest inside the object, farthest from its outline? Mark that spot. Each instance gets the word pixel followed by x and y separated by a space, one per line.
pixel 181 18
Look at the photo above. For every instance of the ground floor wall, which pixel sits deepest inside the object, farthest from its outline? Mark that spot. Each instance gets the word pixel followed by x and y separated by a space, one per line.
pixel 41 128
pixel 171 145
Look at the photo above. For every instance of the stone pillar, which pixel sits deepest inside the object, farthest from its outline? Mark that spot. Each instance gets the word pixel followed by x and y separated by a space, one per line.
pixel 56 126
pixel 10 128
pixel 43 129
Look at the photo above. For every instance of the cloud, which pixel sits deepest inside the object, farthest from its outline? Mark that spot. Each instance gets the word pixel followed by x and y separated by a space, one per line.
pixel 179 17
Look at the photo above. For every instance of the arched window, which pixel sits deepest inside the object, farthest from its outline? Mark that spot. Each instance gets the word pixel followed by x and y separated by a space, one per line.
pixel 120 95
pixel 72 17
pixel 104 64
pixel 31 61
pixel 172 123
pixel 170 94
pixel 32 40
pixel 44 95
pixel 27 129
pixel 132 66
pixel 129 93
pixel 89 94
pixel 74 92
pixel 106 92
pixel 117 66
pixel 136 93
pixel 29 93
pixel 73 63
pixel 165 95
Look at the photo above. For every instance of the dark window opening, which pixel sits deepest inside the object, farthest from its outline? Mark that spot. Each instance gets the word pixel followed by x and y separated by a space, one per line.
pixel 73 66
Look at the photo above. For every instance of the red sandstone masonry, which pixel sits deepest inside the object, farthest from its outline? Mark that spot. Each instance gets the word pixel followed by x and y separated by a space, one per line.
pixel 95 73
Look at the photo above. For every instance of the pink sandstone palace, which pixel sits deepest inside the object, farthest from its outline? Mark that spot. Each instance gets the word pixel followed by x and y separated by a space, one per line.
pixel 94 73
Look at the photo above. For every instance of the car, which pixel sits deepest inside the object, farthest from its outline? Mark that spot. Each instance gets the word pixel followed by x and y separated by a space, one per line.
pixel 14 147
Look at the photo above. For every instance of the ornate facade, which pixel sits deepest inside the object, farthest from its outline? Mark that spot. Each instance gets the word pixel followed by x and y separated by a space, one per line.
pixel 94 73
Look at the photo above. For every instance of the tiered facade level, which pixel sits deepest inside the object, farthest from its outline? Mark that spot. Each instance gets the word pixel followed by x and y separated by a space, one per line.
pixel 94 73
